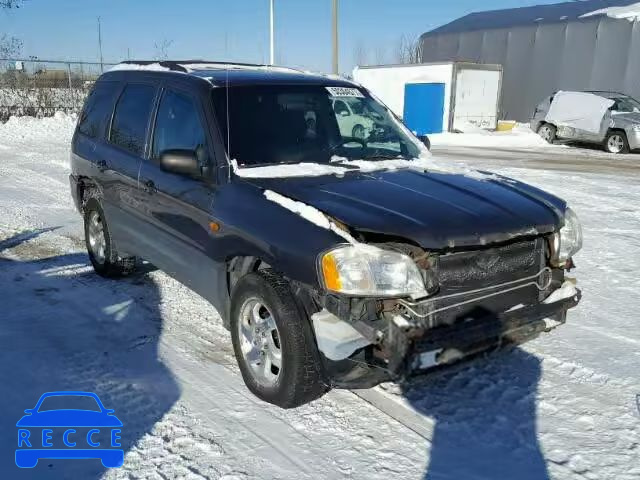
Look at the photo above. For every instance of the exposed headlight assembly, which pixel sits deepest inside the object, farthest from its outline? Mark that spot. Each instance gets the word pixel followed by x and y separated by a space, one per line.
pixel 568 241
pixel 366 270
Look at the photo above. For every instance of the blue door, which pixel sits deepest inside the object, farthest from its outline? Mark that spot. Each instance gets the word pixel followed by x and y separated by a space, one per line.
pixel 424 107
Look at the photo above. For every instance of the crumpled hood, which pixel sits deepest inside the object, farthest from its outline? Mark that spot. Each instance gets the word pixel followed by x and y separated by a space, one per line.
pixel 435 210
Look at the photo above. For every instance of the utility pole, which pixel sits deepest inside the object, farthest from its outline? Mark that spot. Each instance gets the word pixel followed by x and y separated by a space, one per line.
pixel 100 46
pixel 335 37
pixel 272 56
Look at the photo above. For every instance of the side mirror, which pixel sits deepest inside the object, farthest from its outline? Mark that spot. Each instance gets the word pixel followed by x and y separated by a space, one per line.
pixel 29 411
pixel 182 162
pixel 344 113
pixel 424 139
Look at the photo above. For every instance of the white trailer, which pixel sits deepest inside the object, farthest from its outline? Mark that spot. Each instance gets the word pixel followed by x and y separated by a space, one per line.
pixel 433 97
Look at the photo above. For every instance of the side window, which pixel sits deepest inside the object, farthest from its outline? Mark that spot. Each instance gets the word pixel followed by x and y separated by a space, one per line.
pixel 97 110
pixel 178 127
pixel 341 108
pixel 131 118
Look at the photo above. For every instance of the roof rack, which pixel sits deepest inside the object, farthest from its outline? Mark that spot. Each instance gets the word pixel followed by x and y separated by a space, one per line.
pixel 180 65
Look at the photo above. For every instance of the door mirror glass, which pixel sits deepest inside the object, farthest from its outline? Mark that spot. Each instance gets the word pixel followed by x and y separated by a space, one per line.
pixel 182 162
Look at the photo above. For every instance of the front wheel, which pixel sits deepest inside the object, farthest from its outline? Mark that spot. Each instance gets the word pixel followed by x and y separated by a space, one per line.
pixel 548 132
pixel 273 342
pixel 616 142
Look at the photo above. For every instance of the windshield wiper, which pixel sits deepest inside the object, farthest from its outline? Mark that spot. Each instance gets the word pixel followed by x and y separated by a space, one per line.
pixel 387 157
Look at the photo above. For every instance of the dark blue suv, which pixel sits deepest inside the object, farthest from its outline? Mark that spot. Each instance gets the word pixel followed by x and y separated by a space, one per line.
pixel 337 257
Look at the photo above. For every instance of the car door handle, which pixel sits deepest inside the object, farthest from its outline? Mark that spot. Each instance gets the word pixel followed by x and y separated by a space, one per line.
pixel 149 187
pixel 102 165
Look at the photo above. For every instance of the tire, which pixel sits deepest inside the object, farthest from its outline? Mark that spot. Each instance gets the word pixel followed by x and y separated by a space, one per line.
pixel 548 132
pixel 104 257
pixel 298 379
pixel 616 142
pixel 358 132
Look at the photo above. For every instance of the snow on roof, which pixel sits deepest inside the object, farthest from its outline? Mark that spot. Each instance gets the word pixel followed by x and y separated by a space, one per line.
pixel 154 67
pixel 630 12
pixel 193 66
pixel 558 12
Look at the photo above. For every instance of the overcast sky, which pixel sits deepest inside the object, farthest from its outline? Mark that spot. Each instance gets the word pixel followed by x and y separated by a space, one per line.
pixel 231 30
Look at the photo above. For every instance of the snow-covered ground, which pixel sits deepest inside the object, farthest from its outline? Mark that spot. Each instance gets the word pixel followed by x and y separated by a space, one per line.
pixel 520 137
pixel 563 406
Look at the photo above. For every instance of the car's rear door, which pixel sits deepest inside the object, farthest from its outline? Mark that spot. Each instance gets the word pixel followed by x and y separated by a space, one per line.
pixel 126 147
pixel 177 207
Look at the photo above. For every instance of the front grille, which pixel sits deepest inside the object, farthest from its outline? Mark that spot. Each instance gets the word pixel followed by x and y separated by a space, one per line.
pixel 460 272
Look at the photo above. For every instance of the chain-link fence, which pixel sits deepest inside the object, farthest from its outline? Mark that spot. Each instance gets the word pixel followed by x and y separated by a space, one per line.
pixel 39 88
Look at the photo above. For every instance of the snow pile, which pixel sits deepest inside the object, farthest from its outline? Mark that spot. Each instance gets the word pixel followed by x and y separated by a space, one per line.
pixel 580 110
pixel 520 137
pixel 59 128
pixel 629 12
pixel 309 213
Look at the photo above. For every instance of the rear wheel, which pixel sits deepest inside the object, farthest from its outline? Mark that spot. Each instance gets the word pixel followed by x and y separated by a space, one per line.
pixel 100 247
pixel 548 132
pixel 273 342
pixel 616 142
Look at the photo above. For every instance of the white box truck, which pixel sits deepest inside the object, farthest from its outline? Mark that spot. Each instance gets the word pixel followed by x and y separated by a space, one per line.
pixel 434 97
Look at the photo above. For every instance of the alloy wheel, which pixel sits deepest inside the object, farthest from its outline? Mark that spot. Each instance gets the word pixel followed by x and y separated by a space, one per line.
pixel 260 342
pixel 615 144
pixel 97 242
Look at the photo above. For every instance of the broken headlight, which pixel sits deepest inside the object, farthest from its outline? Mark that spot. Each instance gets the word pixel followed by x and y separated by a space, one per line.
pixel 370 271
pixel 569 240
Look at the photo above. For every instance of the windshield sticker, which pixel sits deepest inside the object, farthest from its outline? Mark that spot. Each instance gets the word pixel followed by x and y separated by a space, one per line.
pixel 344 92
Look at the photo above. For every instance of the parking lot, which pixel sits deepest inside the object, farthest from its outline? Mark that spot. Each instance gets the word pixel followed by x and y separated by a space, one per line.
pixel 563 406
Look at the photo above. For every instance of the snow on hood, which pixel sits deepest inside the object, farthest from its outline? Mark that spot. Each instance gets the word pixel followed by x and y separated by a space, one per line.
pixel 580 110
pixel 340 166
pixel 630 12
pixel 309 213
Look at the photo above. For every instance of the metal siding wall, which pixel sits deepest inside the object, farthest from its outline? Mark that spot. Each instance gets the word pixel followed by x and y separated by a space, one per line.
pixel 599 53
pixel 610 56
pixel 631 85
pixel 517 72
pixel 545 66
pixel 577 55
pixel 470 49
pixel 448 46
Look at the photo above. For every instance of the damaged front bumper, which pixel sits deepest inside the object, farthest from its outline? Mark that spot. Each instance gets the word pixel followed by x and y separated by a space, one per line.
pixel 397 343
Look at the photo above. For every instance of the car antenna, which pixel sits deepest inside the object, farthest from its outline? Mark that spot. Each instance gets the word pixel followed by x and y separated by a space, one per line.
pixel 228 123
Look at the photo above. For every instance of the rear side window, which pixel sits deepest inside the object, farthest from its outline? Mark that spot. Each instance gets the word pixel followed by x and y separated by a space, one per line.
pixel 129 128
pixel 97 110
pixel 178 126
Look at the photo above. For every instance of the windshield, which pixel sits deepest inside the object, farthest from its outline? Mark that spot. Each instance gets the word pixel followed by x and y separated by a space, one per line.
pixel 66 402
pixel 276 124
pixel 625 104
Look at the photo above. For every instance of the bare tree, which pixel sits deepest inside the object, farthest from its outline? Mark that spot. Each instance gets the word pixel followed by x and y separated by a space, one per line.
pixel 10 3
pixel 10 47
pixel 380 56
pixel 161 49
pixel 360 56
pixel 409 50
